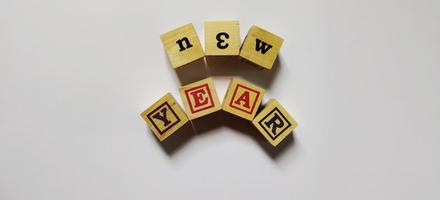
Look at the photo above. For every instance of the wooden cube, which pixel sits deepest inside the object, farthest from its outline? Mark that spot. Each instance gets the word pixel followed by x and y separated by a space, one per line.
pixel 164 117
pixel 200 98
pixel 222 38
pixel 261 47
pixel 182 45
pixel 242 99
pixel 274 122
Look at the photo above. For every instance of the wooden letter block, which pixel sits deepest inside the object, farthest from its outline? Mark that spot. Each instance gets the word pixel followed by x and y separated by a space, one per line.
pixel 182 45
pixel 222 38
pixel 200 98
pixel 274 122
pixel 242 99
pixel 261 47
pixel 164 117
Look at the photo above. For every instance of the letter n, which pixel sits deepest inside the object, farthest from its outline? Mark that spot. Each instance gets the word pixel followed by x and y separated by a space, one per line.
pixel 181 44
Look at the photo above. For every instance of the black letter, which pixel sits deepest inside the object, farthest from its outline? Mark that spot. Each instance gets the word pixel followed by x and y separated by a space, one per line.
pixel 162 117
pixel 220 41
pixel 276 125
pixel 180 43
pixel 262 46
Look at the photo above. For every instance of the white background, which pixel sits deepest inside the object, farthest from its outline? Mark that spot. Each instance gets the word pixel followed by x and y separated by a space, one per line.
pixel 362 78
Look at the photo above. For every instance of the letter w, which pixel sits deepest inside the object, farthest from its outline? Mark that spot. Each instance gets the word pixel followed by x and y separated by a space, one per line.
pixel 261 46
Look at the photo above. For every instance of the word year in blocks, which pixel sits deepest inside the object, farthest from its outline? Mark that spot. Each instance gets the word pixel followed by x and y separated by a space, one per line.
pixel 274 122
pixel 182 45
pixel 242 99
pixel 200 98
pixel 222 38
pixel 261 47
pixel 164 117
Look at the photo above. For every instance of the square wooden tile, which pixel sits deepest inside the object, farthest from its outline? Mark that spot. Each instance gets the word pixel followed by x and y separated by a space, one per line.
pixel 164 117
pixel 242 98
pixel 200 98
pixel 182 45
pixel 222 38
pixel 261 47
pixel 274 122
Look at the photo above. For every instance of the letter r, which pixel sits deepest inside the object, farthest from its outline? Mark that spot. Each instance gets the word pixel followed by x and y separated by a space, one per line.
pixel 275 122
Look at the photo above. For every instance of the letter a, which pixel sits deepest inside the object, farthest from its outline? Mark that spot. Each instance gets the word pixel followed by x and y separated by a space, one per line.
pixel 162 117
pixel 244 97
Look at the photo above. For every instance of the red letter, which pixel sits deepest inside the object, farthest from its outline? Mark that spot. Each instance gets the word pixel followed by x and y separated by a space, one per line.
pixel 199 98
pixel 244 97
